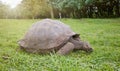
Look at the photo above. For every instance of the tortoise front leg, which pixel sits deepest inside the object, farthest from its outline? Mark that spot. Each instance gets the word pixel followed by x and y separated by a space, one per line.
pixel 66 49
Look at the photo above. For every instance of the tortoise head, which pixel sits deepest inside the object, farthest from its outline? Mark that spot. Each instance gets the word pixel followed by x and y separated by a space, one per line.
pixel 80 45
pixel 86 47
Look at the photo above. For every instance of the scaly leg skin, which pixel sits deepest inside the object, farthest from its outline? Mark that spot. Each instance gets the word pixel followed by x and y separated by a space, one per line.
pixel 66 49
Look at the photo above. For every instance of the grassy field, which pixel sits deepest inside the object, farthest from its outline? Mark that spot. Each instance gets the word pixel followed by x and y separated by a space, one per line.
pixel 103 35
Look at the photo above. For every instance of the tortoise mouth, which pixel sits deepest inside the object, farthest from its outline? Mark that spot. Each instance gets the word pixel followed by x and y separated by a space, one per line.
pixel 89 50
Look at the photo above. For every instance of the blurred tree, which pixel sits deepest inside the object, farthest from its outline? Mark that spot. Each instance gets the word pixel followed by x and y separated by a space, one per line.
pixel 33 8
pixel 106 8
pixel 3 10
pixel 51 4
pixel 62 9
pixel 69 7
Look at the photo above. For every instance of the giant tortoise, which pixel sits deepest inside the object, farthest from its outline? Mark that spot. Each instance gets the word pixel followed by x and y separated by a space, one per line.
pixel 48 36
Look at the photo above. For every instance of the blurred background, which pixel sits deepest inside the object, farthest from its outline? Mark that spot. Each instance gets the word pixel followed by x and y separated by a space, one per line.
pixel 35 9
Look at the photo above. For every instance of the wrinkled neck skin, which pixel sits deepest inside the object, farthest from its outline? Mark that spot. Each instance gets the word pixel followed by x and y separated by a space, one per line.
pixel 81 45
pixel 78 44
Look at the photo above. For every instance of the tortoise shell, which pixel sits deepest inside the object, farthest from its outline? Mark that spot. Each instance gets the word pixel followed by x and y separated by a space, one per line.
pixel 46 34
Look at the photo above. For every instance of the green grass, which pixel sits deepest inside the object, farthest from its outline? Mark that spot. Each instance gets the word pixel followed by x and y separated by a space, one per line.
pixel 103 35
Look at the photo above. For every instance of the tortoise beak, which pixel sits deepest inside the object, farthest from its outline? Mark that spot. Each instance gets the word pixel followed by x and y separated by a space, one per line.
pixel 89 50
